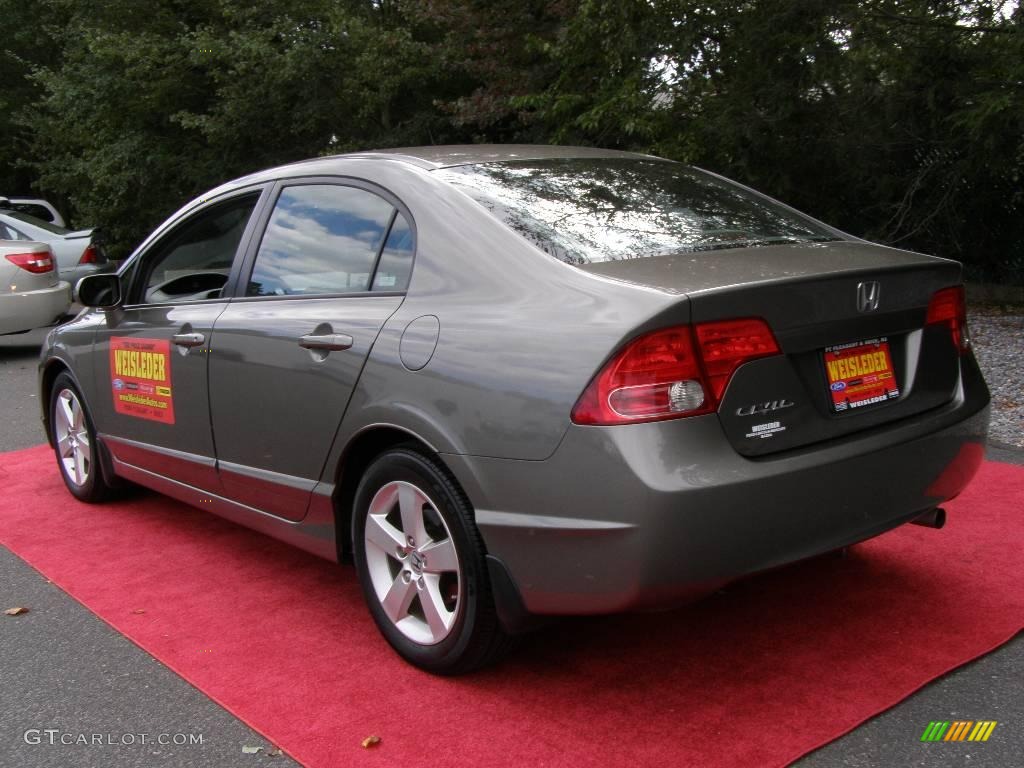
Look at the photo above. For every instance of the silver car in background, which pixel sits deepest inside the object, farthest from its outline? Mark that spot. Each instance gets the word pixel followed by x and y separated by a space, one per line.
pixel 78 253
pixel 512 382
pixel 34 206
pixel 31 293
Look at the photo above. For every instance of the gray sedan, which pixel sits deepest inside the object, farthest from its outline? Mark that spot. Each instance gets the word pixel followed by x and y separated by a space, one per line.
pixel 512 382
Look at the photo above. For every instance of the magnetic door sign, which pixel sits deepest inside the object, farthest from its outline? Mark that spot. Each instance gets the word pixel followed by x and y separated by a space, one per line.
pixel 140 378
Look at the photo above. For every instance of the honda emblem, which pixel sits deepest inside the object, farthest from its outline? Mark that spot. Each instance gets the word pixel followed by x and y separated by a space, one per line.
pixel 868 295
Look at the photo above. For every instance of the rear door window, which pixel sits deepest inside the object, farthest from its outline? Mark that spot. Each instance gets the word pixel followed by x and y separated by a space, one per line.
pixel 323 239
pixel 395 263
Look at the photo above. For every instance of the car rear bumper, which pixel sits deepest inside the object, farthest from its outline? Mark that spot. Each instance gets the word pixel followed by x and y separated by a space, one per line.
pixel 649 515
pixel 25 310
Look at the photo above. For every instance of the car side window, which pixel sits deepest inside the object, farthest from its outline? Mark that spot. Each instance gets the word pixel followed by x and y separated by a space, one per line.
pixel 194 261
pixel 395 263
pixel 321 239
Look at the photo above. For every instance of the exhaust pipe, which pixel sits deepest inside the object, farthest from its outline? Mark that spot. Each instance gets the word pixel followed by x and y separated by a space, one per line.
pixel 933 518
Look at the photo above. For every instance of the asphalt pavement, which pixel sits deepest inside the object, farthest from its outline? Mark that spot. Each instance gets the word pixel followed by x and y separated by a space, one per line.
pixel 65 673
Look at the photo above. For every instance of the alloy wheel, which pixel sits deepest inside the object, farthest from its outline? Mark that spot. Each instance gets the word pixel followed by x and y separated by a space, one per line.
pixel 412 562
pixel 73 446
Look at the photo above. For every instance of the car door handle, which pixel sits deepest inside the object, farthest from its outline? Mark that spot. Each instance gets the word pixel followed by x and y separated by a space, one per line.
pixel 188 339
pixel 327 341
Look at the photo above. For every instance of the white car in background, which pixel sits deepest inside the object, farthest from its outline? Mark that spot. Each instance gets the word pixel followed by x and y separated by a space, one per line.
pixel 77 253
pixel 34 206
pixel 32 295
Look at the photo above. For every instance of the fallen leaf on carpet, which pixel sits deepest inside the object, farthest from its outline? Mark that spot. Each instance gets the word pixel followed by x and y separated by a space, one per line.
pixel 16 611
pixel 275 752
pixel 251 750
pixel 371 741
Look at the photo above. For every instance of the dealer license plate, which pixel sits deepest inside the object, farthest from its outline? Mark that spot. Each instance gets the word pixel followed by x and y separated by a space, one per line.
pixel 860 374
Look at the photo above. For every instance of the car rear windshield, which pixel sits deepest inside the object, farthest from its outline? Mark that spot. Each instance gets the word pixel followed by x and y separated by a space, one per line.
pixel 584 211
pixel 36 222
pixel 33 209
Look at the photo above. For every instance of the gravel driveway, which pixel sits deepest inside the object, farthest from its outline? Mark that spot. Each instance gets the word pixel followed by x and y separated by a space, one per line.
pixel 999 345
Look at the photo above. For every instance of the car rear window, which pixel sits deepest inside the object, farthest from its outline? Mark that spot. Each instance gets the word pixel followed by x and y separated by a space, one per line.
pixel 584 211
pixel 49 227
pixel 41 212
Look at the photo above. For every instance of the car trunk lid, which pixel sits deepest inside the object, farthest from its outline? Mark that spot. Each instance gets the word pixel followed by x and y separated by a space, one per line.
pixel 855 302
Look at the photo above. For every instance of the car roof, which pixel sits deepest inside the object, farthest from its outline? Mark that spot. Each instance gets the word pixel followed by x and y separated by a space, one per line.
pixel 431 158
pixel 446 156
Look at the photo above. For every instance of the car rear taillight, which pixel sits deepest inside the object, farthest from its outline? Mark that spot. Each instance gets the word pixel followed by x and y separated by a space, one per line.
pixel 90 255
pixel 672 373
pixel 36 263
pixel 949 308
pixel 725 345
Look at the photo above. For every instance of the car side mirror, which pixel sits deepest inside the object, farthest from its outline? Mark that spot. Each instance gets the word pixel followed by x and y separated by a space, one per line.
pixel 102 290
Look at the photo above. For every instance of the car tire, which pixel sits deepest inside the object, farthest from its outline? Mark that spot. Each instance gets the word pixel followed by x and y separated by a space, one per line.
pixel 74 442
pixel 421 565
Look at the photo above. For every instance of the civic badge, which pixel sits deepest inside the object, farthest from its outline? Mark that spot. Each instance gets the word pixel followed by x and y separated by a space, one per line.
pixel 868 295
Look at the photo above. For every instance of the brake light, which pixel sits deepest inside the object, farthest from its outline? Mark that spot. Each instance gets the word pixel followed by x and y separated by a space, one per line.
pixel 727 344
pixel 672 373
pixel 949 308
pixel 89 255
pixel 36 263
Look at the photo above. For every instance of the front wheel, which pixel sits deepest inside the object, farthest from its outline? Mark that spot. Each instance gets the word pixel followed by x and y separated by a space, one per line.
pixel 421 565
pixel 74 442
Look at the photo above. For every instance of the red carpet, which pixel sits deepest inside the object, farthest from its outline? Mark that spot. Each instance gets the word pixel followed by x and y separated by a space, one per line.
pixel 755 676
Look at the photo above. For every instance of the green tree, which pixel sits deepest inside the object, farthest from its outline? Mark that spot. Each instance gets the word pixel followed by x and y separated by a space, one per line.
pixel 27 43
pixel 899 120
pixel 155 101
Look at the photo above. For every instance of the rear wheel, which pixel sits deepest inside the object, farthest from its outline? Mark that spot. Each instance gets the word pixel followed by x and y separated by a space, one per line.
pixel 75 442
pixel 421 564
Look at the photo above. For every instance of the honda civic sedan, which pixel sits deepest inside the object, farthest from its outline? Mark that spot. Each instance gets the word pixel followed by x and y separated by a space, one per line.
pixel 513 382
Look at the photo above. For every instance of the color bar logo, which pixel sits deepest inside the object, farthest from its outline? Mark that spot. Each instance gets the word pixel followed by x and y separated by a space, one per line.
pixel 959 730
